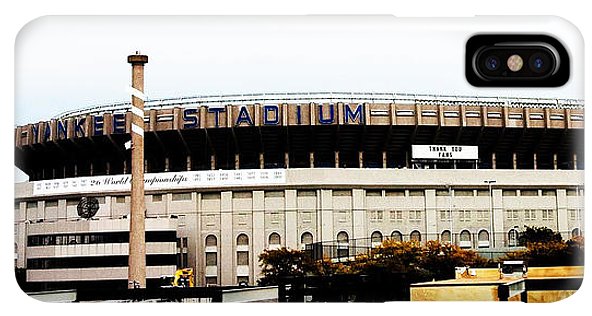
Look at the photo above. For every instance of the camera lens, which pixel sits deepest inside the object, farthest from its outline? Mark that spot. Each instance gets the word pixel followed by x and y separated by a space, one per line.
pixel 492 63
pixel 540 63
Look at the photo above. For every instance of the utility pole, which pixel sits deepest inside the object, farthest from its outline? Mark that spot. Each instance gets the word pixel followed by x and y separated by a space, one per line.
pixel 137 237
pixel 491 215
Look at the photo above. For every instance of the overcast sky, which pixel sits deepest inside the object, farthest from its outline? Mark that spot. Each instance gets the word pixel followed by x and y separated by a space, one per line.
pixel 66 63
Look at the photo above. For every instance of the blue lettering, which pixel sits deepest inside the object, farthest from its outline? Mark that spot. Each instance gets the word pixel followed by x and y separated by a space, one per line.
pixel 357 115
pixel 243 116
pixel 190 118
pixel 97 125
pixel 331 118
pixel 62 130
pixel 266 110
pixel 78 130
pixel 118 123
pixel 35 128
pixel 47 132
pixel 217 111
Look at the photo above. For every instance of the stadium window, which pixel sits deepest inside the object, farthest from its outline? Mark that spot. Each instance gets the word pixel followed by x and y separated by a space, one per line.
pixel 242 195
pixel 274 194
pixel 211 241
pixel 72 202
pixel 376 215
pixel 306 193
pixel 529 215
pixel 405 113
pixel 482 192
pixel 451 114
pixel 445 236
pixel 482 215
pixel 513 238
pixel 445 215
pixel 576 232
pixel 548 215
pixel 557 117
pixel 571 192
pixel 473 114
pixel 416 192
pixel 181 196
pixel 509 192
pixel 442 192
pixel 549 193
pixel 497 115
pixel 483 238
pixel 529 192
pixel 120 199
pixel 211 258
pixel 575 214
pixel 242 258
pixel 414 215
pixel 464 215
pixel 342 192
pixel 465 239
pixel 17 205
pixel 242 240
pixel 515 116
pixel 211 280
pixel 210 196
pixel 373 192
pixel 429 113
pixel 512 215
pixel 376 238
pixel 157 198
pixel 51 203
pixel 31 205
pixel 396 236
pixel 396 216
pixel 395 192
pixel 415 235
pixel 306 238
pixel 274 240
pixel 342 245
pixel 242 280
pixel 463 193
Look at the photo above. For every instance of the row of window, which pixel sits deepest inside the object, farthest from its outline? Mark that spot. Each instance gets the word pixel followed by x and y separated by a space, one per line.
pixel 97 238
pixel 186 196
pixel 530 214
pixel 98 262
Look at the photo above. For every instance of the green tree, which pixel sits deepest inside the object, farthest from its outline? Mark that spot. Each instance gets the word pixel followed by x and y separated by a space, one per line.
pixel 279 263
pixel 538 234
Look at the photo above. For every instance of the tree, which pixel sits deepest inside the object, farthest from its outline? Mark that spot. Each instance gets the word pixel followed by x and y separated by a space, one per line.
pixel 440 259
pixel 280 263
pixel 538 234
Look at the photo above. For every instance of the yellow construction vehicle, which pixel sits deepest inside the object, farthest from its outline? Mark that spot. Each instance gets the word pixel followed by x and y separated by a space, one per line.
pixel 182 278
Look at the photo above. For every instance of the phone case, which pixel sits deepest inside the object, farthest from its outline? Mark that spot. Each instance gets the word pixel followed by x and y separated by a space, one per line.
pixel 299 159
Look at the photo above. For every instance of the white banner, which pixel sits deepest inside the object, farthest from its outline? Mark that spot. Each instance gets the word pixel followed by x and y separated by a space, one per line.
pixel 444 152
pixel 162 181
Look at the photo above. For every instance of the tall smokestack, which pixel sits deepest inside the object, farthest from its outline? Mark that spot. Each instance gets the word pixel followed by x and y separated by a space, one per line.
pixel 137 237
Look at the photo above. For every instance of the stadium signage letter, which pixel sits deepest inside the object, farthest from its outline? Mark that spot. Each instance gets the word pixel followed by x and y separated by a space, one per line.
pixel 218 116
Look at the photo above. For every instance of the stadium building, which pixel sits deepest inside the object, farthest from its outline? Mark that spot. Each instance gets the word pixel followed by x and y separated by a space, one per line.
pixel 230 176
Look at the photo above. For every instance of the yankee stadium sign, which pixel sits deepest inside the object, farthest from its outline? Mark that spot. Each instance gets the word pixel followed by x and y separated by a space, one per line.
pixel 199 117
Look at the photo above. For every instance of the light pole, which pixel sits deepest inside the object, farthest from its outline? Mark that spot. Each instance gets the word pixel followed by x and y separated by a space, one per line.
pixel 449 187
pixel 491 226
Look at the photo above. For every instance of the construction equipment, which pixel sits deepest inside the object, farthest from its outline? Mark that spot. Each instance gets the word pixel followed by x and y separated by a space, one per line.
pixel 182 278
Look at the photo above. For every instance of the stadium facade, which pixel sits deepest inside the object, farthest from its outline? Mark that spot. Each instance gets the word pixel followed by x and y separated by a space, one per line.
pixel 230 176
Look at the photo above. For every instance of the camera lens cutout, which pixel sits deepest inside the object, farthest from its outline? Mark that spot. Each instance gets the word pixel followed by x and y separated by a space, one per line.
pixel 492 63
pixel 540 63
pixel 516 60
